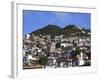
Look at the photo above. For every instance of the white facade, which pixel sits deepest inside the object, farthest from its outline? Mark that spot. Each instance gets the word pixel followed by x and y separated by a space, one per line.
pixel 27 36
pixel 66 44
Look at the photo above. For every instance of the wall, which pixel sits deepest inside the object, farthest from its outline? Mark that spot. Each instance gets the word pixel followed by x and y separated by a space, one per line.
pixel 5 40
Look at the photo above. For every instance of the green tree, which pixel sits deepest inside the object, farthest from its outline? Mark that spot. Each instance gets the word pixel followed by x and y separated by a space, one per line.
pixel 77 51
pixel 43 60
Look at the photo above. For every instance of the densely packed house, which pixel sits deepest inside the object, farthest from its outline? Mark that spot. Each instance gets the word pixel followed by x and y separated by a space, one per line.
pixel 42 51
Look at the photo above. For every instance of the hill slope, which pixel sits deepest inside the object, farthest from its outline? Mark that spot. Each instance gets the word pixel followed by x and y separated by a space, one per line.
pixel 67 31
pixel 52 30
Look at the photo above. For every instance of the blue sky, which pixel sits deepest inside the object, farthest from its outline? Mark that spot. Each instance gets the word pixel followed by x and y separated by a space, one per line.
pixel 33 20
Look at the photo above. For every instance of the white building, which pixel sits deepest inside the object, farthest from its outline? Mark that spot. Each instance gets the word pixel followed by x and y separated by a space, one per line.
pixel 52 47
pixel 81 60
pixel 27 36
pixel 66 44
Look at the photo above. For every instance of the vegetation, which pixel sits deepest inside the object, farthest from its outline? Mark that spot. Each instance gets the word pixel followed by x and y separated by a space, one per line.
pixel 67 31
pixel 77 51
pixel 52 30
pixel 43 60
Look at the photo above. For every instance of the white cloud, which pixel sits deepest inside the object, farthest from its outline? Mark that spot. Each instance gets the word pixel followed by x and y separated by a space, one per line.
pixel 61 16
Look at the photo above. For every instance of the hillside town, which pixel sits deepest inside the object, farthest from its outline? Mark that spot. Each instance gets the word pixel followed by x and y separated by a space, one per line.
pixel 42 51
